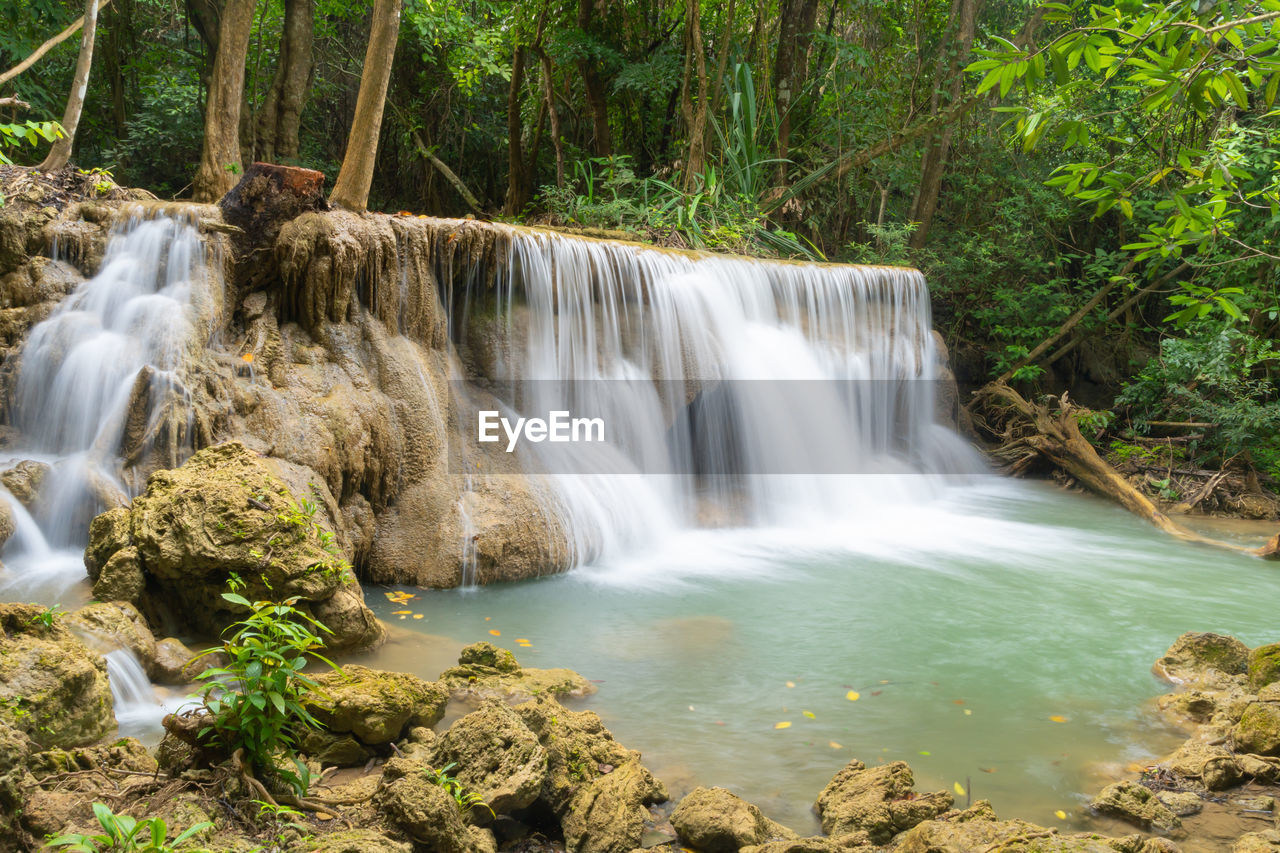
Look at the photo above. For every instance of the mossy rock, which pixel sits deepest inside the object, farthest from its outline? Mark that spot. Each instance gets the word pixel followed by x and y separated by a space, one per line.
pixel 376 707
pixel 715 820
pixel 116 624
pixel 52 687
pixel 1136 804
pixel 1264 666
pixel 1194 655
pixel 485 671
pixel 880 801
pixel 497 757
pixel 1258 731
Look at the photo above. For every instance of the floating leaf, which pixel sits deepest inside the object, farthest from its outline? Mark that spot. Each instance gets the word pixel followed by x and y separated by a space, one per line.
pixel 968 713
pixel 957 701
pixel 958 788
pixel 495 632
pixel 876 692
pixel 691 708
pixel 834 745
pixel 401 612
pixel 786 724
pixel 791 684
pixel 487 618
pixel 853 696
pixel 1058 718
pixel 987 769
pixel 521 640
pixel 417 616
pixel 925 752
pixel 1060 814
pixel 810 715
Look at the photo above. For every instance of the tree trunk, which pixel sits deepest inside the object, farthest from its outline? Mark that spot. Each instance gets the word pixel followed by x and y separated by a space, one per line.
pixel 220 159
pixel 281 113
pixel 602 141
pixel 518 189
pixel 695 119
pixel 797 18
pixel 351 190
pixel 549 93
pixel 60 153
pixel 934 161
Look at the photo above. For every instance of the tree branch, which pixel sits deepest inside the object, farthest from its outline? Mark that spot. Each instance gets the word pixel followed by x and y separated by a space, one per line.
pixel 14 101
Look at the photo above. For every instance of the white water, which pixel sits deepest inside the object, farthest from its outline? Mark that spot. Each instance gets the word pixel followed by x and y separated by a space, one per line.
pixel 803 369
pixel 72 399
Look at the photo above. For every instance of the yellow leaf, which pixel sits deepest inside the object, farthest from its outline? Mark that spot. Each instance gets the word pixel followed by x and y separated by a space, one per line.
pixel 791 684
pixel 521 640
pixel 853 695
pixel 958 788
pixel 1058 718
pixel 968 713
pixel 782 725
pixel 323 816
pixel 810 715
pixel 247 357
pixel 417 616
pixel 487 618
pixel 401 612
pixel 495 632
pixel 834 745
pixel 1060 814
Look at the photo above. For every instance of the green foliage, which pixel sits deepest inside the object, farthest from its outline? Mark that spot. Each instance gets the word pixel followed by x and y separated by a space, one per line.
pixel 466 800
pixel 31 132
pixel 125 834
pixel 299 522
pixel 47 616
pixel 163 137
pixel 255 701
pixel 279 822
pixel 1215 375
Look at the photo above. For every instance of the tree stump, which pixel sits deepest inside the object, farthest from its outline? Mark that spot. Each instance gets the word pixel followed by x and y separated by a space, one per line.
pixel 268 196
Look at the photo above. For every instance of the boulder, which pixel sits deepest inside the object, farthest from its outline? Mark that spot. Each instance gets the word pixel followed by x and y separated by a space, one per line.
pixel 1136 804
pixel 376 707
pixel 1181 803
pixel 497 757
pixel 1264 666
pixel 978 829
pixel 609 815
pixel 1266 841
pixel 24 480
pixel 485 671
pixel 1198 657
pixel 1263 769
pixel 175 663
pixel 333 750
pixel 15 747
pixel 879 800
pixel 425 812
pixel 52 687
pixel 7 526
pixel 115 624
pixel 228 512
pixel 349 841
pixel 1214 767
pixel 1258 731
pixel 715 820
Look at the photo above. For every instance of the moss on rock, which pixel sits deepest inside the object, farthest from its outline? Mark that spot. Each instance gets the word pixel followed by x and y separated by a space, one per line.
pixel 376 707
pixel 1194 656
pixel 485 671
pixel 715 820
pixel 497 757
pixel 1264 666
pixel 1258 731
pixel 881 801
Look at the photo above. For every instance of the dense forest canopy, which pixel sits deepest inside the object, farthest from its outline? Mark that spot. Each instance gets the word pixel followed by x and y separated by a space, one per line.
pixel 1093 190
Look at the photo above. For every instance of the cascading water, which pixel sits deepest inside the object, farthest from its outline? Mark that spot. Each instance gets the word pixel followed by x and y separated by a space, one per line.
pixel 96 375
pixel 804 379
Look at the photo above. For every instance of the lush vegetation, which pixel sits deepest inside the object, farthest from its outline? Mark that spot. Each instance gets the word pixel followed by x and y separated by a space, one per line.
pixel 1104 178
pixel 122 833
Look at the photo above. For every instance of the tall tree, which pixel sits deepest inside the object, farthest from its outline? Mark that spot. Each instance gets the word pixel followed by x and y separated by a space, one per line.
pixel 695 119
pixel 60 153
pixel 351 190
pixel 519 189
pixel 589 66
pixel 220 157
pixel 797 18
pixel 281 113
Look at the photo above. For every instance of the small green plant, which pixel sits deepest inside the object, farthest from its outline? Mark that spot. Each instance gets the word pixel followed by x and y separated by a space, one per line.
pixel 125 833
pixel 466 800
pixel 103 180
pixel 280 822
pixel 47 617
pixel 256 702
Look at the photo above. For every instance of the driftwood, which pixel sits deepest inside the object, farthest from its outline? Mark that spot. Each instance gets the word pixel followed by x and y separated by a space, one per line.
pixel 1027 432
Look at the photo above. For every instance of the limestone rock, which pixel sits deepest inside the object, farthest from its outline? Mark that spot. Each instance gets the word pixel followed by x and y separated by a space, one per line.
pixel 858 841
pixel 879 800
pixel 1264 666
pixel 24 479
pixel 1136 804
pixel 121 577
pixel 1259 729
pixel 174 663
pixel 715 820
pixel 7 526
pixel 333 750
pixel 1267 841
pixel 977 828
pixel 498 757
pixel 52 687
pixel 485 671
pixel 422 809
pixel 376 707
pixel 1181 803
pixel 1263 769
pixel 608 816
pixel 15 747
pixel 226 511
pixel 350 841
pixel 1194 657
pixel 116 624
pixel 1212 766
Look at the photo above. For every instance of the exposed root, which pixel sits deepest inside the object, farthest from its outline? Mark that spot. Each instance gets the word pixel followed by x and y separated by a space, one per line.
pixel 1028 432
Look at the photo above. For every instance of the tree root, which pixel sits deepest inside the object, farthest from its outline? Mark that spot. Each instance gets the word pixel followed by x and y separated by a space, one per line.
pixel 1028 432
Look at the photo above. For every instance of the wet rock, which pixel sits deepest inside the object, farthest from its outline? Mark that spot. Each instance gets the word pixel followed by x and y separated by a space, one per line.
pixel 52 687
pixel 1267 841
pixel 1181 803
pixel 121 577
pixel 333 750
pixel 1259 729
pixel 116 624
pixel 715 820
pixel 880 801
pixel 1136 804
pixel 228 512
pixel 1263 769
pixel 1214 767
pixel 7 526
pixel 485 671
pixel 609 815
pixel 24 480
pixel 15 747
pixel 350 841
pixel 376 707
pixel 1264 666
pixel 1200 657
pixel 978 829
pixel 422 809
pixel 497 757
pixel 174 663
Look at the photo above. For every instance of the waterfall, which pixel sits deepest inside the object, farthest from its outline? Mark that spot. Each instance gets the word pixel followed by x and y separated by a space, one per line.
pixel 771 393
pixel 99 382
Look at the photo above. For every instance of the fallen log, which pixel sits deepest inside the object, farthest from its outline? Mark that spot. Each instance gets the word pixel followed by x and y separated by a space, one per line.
pixel 1050 431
